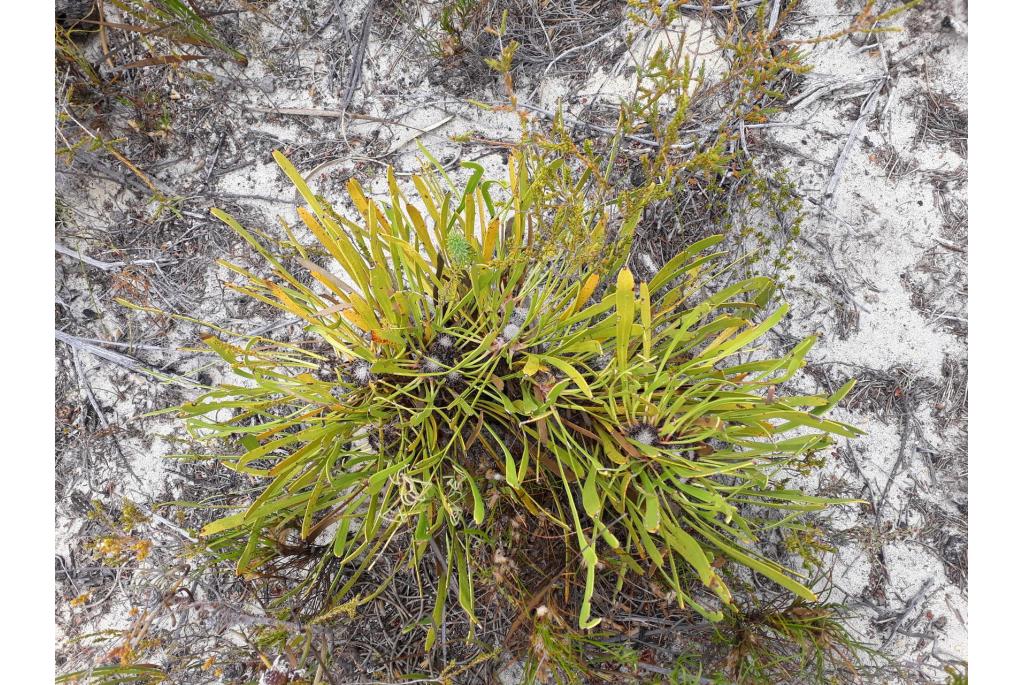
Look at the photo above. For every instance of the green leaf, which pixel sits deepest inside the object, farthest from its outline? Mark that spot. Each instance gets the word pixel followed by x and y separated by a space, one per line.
pixel 625 306
pixel 590 564
pixel 222 524
pixel 250 549
pixel 675 266
pixel 465 583
pixel 478 502
pixel 591 502
pixel 652 513
pixel 571 372
pixel 377 480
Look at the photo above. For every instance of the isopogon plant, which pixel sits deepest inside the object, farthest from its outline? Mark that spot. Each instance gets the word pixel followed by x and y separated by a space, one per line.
pixel 454 365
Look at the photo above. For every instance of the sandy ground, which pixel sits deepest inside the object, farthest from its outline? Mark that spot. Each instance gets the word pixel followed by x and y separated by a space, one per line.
pixel 881 275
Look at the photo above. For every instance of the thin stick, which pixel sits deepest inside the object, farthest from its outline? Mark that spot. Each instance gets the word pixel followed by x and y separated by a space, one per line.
pixel 327 113
pixel 866 110
pixel 123 361
pixel 355 74
pixel 714 8
pixel 87 390
pixel 571 51
pixel 912 605
pixel 901 457
pixel 105 266
pixel 160 519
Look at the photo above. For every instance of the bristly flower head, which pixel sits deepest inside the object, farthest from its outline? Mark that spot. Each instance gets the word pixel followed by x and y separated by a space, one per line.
pixel 644 433
pixel 519 315
pixel 361 373
pixel 443 349
pixel 429 365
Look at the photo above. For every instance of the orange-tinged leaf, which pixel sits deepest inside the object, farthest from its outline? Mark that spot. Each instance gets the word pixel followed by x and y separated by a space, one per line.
pixel 291 304
pixel 354 317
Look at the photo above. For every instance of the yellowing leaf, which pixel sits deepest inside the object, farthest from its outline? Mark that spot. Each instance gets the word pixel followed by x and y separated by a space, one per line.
pixel 341 249
pixel 490 239
pixel 532 365
pixel 421 231
pixel 355 191
pixel 586 290
pixel 354 316
pixel 625 306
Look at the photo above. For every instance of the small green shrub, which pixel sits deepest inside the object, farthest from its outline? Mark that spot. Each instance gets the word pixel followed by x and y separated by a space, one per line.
pixel 454 367
pixel 955 676
pixel 92 99
pixel 561 654
pixel 796 642
pixel 178 22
